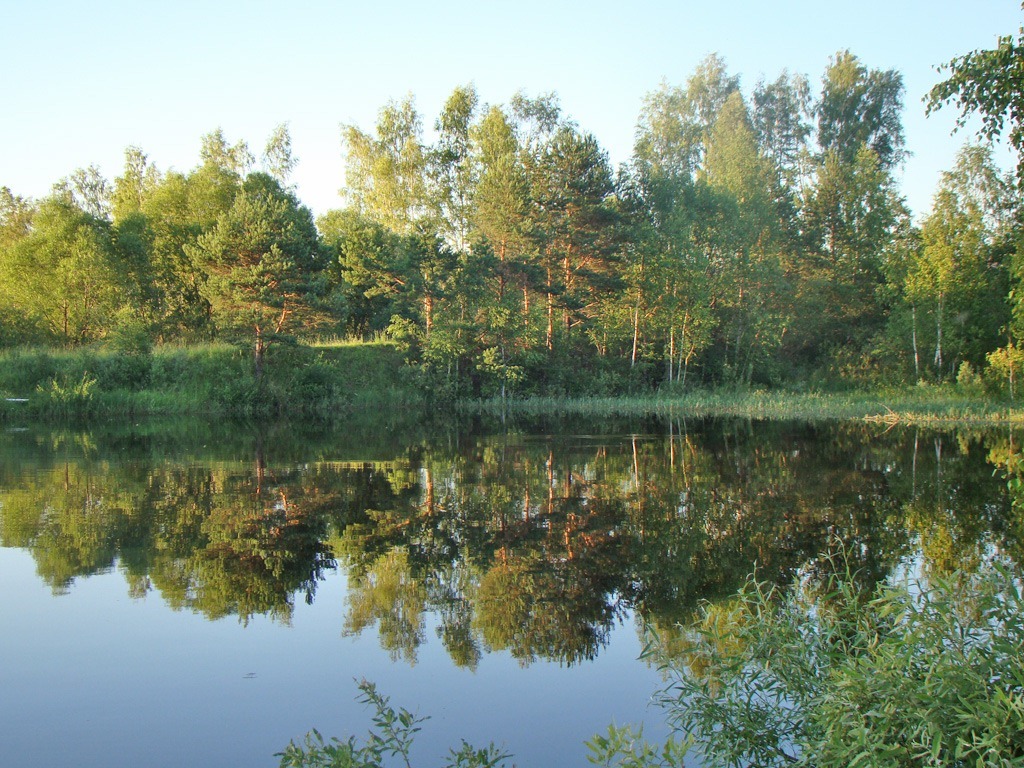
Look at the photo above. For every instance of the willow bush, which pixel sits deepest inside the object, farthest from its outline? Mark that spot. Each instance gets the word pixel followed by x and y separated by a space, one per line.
pixel 821 675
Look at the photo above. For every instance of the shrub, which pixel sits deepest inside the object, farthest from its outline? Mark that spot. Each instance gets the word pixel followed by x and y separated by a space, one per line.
pixel 64 397
pixel 392 736
pixel 914 675
pixel 120 371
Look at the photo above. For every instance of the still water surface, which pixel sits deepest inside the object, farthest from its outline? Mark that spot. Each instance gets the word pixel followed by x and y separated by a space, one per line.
pixel 184 595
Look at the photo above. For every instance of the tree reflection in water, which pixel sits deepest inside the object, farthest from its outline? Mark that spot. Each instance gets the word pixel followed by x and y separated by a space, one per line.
pixel 532 543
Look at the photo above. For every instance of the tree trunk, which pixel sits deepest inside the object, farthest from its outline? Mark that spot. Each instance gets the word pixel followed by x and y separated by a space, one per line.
pixel 259 353
pixel 636 335
pixel 429 503
pixel 938 336
pixel 567 280
pixel 913 337
pixel 261 466
pixel 1012 360
pixel 671 353
pixel 501 271
pixel 550 341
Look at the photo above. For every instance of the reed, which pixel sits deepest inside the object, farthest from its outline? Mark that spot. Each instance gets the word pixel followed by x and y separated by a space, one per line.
pixel 917 406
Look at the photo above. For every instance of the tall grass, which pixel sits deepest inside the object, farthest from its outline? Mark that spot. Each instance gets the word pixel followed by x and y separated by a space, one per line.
pixel 917 405
pixel 323 382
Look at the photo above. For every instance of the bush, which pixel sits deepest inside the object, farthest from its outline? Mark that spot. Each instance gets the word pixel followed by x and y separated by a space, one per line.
pixel 119 370
pixel 915 675
pixel 65 397
pixel 130 335
pixel 392 736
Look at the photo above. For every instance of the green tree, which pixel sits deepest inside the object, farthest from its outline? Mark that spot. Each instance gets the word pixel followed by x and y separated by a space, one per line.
pixel 751 290
pixel 15 217
pixel 707 90
pixel 861 107
pixel 278 160
pixel 173 224
pixel 780 116
pixel 452 170
pixel 215 182
pixel 850 217
pixel 368 267
pixel 263 265
pixel 958 271
pixel 16 327
pixel 501 201
pixel 571 185
pixel 503 241
pixel 987 82
pixel 64 276
pixel 386 172
pixel 669 267
pixel 135 185
pixel 849 213
pixel 675 122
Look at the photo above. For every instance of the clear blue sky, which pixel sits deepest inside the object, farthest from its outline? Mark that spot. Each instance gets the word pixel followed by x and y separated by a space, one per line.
pixel 85 80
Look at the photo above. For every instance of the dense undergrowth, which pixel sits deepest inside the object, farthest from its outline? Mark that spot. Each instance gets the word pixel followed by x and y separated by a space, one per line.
pixel 217 379
pixel 337 379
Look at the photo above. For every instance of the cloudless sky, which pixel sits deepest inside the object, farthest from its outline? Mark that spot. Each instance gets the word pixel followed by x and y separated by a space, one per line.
pixel 84 80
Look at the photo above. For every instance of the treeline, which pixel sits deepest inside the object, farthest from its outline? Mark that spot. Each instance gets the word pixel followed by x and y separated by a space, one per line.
pixel 752 239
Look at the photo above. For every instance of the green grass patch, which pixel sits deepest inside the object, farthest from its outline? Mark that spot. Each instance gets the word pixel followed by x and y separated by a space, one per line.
pixel 325 381
pixel 916 405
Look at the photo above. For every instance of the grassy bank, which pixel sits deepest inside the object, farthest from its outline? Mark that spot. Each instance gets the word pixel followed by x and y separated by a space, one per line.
pixel 211 379
pixel 920 405
pixel 339 379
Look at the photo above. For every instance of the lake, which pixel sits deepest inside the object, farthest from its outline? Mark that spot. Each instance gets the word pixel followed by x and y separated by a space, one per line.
pixel 193 594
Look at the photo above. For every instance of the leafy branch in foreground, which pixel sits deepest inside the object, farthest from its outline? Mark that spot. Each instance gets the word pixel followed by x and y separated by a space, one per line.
pixel 625 747
pixel 391 737
pixel 915 675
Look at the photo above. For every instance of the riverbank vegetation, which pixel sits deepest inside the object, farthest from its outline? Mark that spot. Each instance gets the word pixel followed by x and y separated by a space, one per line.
pixel 341 379
pixel 756 238
pixel 324 380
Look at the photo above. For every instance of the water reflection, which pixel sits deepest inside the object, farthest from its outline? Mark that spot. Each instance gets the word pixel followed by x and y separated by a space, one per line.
pixel 532 542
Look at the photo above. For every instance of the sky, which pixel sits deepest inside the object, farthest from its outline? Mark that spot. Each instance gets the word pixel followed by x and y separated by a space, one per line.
pixel 85 80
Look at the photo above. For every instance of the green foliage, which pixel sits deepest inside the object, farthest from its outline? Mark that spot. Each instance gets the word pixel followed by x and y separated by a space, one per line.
pixel 391 738
pixel 131 334
pixel 861 108
pixel 263 263
pixel 63 276
pixel 329 381
pixel 968 379
pixel 915 674
pixel 625 747
pixel 62 397
pixel 1006 367
pixel 987 82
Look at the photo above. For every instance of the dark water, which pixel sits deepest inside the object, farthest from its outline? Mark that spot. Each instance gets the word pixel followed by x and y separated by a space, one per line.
pixel 199 595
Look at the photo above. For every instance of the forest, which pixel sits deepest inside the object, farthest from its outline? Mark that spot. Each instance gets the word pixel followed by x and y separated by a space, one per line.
pixel 754 238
